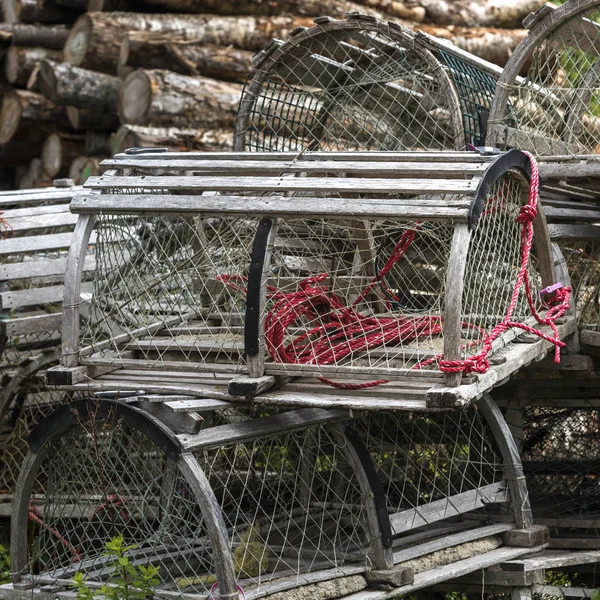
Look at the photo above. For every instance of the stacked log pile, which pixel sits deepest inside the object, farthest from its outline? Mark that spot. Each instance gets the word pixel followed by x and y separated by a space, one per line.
pixel 87 78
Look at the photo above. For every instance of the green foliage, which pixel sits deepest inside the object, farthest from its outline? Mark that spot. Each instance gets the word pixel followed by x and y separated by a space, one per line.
pixel 595 595
pixel 127 581
pixel 4 565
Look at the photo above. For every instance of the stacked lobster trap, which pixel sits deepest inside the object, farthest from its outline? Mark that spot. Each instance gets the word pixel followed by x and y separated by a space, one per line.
pixel 292 345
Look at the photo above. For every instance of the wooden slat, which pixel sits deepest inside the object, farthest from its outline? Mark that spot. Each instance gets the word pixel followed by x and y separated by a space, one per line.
pixel 198 405
pixel 567 214
pixel 33 296
pixel 31 197
pixel 24 224
pixel 552 559
pixel 449 507
pixel 260 428
pixel 372 169
pixel 264 205
pixel 284 184
pixel 307 156
pixel 32 211
pixel 43 267
pixel 31 324
pixel 574 232
pixel 39 243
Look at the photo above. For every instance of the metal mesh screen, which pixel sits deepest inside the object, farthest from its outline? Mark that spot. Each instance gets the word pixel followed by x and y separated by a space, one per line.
pixel 555 108
pixel 349 86
pixel 424 458
pixel 164 279
pixel 475 89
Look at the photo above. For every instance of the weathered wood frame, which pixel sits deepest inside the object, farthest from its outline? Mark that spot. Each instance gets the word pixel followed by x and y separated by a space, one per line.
pixel 541 24
pixel 473 191
pixel 267 61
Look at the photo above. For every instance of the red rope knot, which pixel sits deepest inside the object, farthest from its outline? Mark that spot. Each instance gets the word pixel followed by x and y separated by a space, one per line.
pixel 473 364
pixel 527 214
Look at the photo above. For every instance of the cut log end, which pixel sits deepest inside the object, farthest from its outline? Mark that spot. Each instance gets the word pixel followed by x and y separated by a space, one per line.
pixel 135 98
pixel 47 80
pixel 77 43
pixel 52 155
pixel 10 116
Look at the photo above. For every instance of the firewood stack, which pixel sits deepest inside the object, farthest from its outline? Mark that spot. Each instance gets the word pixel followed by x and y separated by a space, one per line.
pixel 84 79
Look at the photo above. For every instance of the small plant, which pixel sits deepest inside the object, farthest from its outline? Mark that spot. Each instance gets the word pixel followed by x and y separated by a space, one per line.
pixel 127 581
pixel 4 565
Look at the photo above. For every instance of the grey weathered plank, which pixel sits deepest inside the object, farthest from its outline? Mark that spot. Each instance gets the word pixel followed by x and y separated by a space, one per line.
pixel 281 184
pixel 30 324
pixel 552 559
pixel 198 405
pixel 33 296
pixel 39 243
pixel 349 371
pixel 160 204
pixel 32 211
pixel 350 167
pixel 25 224
pixel 574 232
pixel 260 428
pixel 449 507
pixel 568 214
pixel 41 267
pixel 32 197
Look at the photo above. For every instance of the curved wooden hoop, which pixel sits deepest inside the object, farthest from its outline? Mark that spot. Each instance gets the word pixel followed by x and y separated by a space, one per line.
pixel 513 468
pixel 548 24
pixel 404 38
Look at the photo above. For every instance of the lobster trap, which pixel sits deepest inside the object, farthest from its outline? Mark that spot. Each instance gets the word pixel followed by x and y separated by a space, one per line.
pixel 362 84
pixel 222 276
pixel 266 500
pixel 553 109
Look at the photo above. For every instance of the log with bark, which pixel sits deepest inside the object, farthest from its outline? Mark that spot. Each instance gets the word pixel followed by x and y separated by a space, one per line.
pixel 6 37
pixel 260 8
pixel 493 45
pixel 29 118
pixel 144 49
pixel 95 39
pixel 163 98
pixel 205 140
pixel 36 11
pixel 507 14
pixel 46 36
pixel 83 167
pixel 21 60
pixel 63 83
pixel 59 151
pixel 82 119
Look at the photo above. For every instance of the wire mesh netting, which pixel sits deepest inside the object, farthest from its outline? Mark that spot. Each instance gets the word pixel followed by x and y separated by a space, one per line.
pixel 292 504
pixel 582 258
pixel 426 458
pixel 349 85
pixel 102 479
pixel 560 452
pixel 555 108
pixel 173 282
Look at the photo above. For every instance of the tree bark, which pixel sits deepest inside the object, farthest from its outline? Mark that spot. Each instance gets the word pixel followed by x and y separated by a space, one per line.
pixel 260 8
pixel 82 119
pixel 21 60
pixel 507 14
pixel 45 36
pixel 5 41
pixel 79 6
pixel 493 45
pixel 63 83
pixel 120 5
pixel 162 98
pixel 97 143
pixel 206 140
pixel 143 49
pixel 29 118
pixel 95 39
pixel 36 11
pixel 59 151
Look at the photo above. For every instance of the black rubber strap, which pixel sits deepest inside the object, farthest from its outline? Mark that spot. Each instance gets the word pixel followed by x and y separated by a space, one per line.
pixel 80 411
pixel 513 159
pixel 375 484
pixel 252 321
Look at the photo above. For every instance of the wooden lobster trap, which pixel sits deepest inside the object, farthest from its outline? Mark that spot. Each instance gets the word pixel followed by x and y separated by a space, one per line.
pixel 222 278
pixel 267 501
pixel 553 110
pixel 362 84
